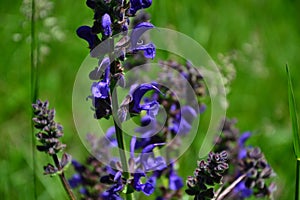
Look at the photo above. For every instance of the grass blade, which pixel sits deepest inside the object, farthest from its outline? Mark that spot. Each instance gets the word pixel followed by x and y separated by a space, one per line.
pixel 293 114
pixel 295 130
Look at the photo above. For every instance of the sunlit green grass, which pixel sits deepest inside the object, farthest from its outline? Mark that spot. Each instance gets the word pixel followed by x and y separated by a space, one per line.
pixel 262 35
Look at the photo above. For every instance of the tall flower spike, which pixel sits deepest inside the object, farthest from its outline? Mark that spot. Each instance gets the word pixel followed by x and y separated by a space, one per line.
pixel 207 174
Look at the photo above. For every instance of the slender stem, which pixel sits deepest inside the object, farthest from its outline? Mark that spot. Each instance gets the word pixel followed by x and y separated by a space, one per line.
pixel 297 189
pixel 120 138
pixel 33 91
pixel 63 179
pixel 230 188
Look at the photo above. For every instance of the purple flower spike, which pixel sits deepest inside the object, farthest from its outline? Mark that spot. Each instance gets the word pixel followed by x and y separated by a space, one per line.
pixel 138 31
pixel 85 33
pixel 106 25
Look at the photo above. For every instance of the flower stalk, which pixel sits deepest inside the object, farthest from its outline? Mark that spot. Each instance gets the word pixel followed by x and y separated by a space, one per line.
pixel 33 89
pixel 120 139
pixel 63 179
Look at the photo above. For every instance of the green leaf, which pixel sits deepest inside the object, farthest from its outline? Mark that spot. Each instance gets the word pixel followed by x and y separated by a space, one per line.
pixel 293 114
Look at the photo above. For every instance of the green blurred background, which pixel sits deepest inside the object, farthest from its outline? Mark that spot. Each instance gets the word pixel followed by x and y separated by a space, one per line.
pixel 257 37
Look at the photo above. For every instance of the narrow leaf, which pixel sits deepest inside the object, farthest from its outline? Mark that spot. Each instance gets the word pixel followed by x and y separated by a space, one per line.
pixel 293 115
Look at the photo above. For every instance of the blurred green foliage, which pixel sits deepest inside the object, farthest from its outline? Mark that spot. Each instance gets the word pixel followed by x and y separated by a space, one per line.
pixel 260 37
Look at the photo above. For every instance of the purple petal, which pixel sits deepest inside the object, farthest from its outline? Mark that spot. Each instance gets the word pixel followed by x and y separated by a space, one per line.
pixel 175 182
pixel 242 153
pixel 106 24
pixel 150 147
pixel 75 180
pixel 136 5
pixel 132 146
pixel 242 190
pixel 138 31
pixel 148 189
pixel 105 66
pixel 152 108
pixel 100 90
pixel 137 185
pixel 118 176
pixel 153 163
pixel 138 94
pixel 243 138
pixel 149 50
pixel 85 33
pixel 188 113
pixel 146 3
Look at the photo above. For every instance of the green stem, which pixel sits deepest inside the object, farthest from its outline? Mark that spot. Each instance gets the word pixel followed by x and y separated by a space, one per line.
pixel 119 135
pixel 63 179
pixel 297 189
pixel 33 91
pixel 120 138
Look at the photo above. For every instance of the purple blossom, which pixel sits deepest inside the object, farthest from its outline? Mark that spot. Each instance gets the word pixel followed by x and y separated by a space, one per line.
pixel 138 31
pixel 175 182
pixel 242 190
pixel 110 135
pixel 149 127
pixel 149 161
pixel 136 5
pixel 149 50
pixel 106 25
pixel 85 32
pixel 137 96
pixel 182 123
pixel 75 181
pixel 77 166
pixel 100 90
pixel 147 188
pixel 113 192
pixel 243 138
pixel 241 142
pixel 100 93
